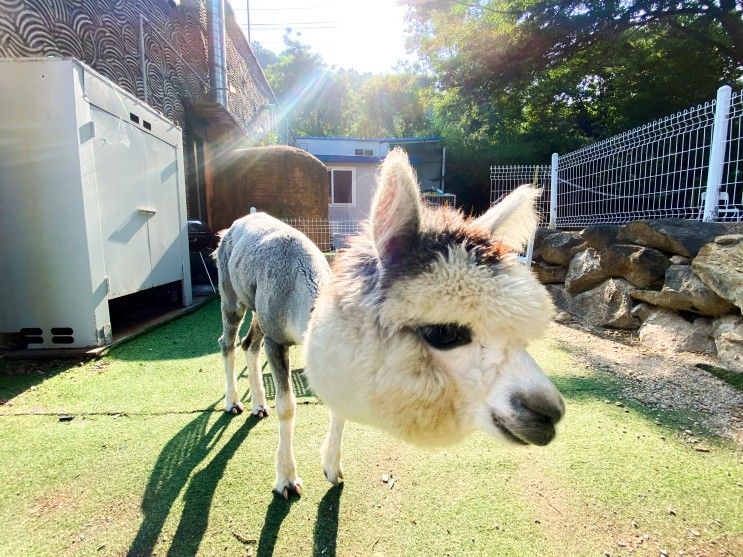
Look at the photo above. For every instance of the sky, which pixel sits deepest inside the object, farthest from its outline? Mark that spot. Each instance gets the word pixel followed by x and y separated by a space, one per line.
pixel 368 36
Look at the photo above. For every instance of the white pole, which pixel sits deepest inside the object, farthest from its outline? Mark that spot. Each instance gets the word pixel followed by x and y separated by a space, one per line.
pixel 553 190
pixel 717 153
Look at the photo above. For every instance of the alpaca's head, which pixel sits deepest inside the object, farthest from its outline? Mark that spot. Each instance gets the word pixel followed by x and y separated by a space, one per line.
pixel 452 313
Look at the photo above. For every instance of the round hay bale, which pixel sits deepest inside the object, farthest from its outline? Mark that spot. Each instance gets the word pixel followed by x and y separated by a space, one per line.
pixel 283 181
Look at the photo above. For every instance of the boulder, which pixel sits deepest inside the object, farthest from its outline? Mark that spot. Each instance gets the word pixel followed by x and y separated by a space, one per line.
pixel 728 334
pixel 667 330
pixel 562 299
pixel 642 311
pixel 679 260
pixel 607 305
pixel 559 248
pixel 563 317
pixel 584 272
pixel 600 236
pixel 641 266
pixel 683 290
pixel 720 266
pixel 549 274
pixel 539 237
pixel 678 236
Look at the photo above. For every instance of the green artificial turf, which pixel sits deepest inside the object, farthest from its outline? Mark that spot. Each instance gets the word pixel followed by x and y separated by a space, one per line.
pixel 150 464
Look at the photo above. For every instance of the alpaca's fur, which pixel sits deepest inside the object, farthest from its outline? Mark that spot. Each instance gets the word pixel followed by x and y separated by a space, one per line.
pixel 369 352
pixel 274 271
pixel 415 266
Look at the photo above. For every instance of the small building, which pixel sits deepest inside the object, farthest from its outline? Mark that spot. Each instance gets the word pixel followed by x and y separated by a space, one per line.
pixel 352 166
pixel 187 59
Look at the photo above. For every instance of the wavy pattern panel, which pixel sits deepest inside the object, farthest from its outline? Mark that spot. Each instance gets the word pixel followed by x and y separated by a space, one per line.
pixel 105 35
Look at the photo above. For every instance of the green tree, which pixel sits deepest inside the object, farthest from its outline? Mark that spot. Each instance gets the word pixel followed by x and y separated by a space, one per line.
pixel 390 105
pixel 312 97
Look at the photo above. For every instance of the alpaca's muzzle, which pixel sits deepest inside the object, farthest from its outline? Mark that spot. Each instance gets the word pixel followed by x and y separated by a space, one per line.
pixel 534 417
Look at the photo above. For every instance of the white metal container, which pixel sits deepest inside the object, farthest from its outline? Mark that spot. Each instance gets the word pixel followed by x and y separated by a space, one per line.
pixel 92 201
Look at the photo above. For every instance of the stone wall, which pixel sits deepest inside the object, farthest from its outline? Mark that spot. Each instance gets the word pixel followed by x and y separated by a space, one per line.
pixel 677 283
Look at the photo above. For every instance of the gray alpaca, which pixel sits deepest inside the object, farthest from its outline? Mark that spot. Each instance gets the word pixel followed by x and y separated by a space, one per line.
pixel 274 271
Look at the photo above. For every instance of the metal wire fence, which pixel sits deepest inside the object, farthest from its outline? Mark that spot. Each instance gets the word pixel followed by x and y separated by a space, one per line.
pixel 328 235
pixel 731 189
pixel 688 165
pixel 505 179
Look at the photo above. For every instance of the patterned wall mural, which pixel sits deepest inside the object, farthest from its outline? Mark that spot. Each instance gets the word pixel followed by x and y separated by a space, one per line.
pixel 105 34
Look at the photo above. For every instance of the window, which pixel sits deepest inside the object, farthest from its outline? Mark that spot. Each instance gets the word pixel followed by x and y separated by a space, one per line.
pixel 369 152
pixel 358 152
pixel 342 186
pixel 364 152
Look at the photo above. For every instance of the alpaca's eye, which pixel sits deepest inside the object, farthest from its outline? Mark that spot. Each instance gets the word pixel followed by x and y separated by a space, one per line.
pixel 445 336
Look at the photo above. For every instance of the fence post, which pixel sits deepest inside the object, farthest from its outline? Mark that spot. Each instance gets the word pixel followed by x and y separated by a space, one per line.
pixel 717 153
pixel 553 190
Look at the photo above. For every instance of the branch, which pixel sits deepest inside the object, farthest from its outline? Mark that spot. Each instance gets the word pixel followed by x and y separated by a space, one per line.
pixel 702 38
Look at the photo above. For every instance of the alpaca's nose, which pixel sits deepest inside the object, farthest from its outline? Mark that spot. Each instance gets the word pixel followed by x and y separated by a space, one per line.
pixel 536 415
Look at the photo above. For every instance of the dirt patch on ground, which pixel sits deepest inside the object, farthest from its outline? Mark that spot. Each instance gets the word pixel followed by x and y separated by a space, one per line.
pixel 59 500
pixel 670 381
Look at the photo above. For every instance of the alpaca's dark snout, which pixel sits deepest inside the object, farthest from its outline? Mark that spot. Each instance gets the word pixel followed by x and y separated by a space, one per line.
pixel 536 414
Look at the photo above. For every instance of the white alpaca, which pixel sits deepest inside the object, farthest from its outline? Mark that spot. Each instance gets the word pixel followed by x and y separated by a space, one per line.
pixel 421 331
pixel 423 327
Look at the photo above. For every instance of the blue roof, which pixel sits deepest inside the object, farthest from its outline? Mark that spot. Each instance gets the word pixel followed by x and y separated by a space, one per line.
pixel 425 139
pixel 349 159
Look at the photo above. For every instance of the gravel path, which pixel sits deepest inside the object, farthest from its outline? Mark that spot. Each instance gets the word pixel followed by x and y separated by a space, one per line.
pixel 661 379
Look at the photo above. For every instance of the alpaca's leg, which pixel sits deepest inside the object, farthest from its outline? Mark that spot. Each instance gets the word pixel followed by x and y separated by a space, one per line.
pixel 330 452
pixel 251 344
pixel 286 467
pixel 232 316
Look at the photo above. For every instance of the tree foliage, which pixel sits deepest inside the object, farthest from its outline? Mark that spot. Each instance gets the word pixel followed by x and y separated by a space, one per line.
pixel 511 81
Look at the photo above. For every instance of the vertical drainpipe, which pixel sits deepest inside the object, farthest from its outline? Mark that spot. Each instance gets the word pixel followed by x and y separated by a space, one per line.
pixel 217 51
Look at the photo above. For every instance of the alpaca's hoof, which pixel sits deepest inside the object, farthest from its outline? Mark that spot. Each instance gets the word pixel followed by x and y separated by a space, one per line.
pixel 283 489
pixel 334 477
pixel 260 412
pixel 235 408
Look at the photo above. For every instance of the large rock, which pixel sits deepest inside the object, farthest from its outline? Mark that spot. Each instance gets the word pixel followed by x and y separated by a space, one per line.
pixel 600 236
pixel 728 333
pixel 539 237
pixel 641 266
pixel 720 266
pixel 679 236
pixel 683 290
pixel 584 272
pixel 667 330
pixel 562 299
pixel 559 248
pixel 643 311
pixel 607 305
pixel 549 274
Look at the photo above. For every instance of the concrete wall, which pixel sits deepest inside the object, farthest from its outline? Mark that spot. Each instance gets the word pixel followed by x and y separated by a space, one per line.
pixel 365 182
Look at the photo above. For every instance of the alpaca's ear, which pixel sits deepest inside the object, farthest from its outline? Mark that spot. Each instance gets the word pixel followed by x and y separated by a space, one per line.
pixel 514 220
pixel 396 207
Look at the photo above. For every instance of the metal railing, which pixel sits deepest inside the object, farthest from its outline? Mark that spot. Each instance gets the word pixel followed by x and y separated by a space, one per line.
pixel 505 179
pixel 688 165
pixel 327 234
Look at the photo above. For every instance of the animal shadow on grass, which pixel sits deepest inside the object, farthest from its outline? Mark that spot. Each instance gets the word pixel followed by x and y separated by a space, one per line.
pixel 200 492
pixel 276 512
pixel 326 523
pixel 180 456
